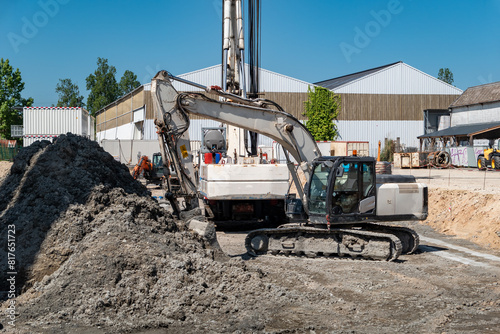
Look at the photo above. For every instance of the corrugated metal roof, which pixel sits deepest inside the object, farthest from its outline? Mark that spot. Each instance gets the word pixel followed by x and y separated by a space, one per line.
pixel 479 131
pixel 479 94
pixel 396 78
pixel 269 81
pixel 340 81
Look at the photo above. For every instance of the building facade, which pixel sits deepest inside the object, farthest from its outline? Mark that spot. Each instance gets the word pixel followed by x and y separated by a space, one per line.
pixel 388 102
pixel 383 102
pixel 473 125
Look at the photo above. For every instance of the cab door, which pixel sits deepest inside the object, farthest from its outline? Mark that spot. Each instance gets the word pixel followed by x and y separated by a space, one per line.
pixel 351 194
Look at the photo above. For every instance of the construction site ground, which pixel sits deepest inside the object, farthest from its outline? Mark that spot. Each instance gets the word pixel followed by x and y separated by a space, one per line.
pixel 120 277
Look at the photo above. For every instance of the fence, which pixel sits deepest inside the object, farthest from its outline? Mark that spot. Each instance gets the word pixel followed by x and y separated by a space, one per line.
pixel 8 153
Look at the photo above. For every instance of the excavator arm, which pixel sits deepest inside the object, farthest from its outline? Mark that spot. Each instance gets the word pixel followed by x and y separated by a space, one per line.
pixel 332 228
pixel 172 121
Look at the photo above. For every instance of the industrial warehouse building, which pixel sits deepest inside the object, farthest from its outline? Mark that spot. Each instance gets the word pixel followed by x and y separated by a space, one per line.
pixel 471 125
pixel 388 102
pixel 383 102
pixel 125 128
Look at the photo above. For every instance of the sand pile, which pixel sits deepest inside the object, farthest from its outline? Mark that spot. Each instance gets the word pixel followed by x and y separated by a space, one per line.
pixel 471 215
pixel 93 248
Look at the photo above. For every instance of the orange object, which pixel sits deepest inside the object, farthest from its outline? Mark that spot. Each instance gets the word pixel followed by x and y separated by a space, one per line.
pixel 378 156
pixel 143 165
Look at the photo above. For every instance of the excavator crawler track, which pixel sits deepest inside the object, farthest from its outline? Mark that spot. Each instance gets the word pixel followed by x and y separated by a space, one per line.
pixel 313 242
pixel 408 237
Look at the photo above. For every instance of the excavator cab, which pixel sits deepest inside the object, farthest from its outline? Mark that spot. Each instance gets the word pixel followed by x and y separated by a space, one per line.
pixel 157 165
pixel 342 189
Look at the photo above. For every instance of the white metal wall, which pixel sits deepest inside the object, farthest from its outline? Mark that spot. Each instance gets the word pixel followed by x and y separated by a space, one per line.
pixel 27 141
pixel 197 124
pixel 482 113
pixel 373 131
pixel 48 122
pixel 274 82
pixel 129 151
pixel 268 82
pixel 53 121
pixel 400 78
pixel 122 132
pixel 149 130
pixel 207 76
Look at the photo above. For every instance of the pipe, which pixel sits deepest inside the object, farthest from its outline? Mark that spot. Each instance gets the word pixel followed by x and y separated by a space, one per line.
pixel 224 71
pixel 239 25
pixel 227 24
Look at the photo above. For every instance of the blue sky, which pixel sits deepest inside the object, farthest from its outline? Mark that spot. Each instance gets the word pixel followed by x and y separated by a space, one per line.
pixel 310 40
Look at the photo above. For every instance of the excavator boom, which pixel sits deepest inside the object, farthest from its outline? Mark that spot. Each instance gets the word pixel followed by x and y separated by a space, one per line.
pixel 342 199
pixel 172 110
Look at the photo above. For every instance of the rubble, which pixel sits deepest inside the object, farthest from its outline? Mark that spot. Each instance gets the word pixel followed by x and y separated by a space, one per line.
pixel 96 254
pixel 94 249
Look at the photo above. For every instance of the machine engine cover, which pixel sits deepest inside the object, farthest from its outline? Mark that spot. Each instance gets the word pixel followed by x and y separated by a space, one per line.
pixel 402 199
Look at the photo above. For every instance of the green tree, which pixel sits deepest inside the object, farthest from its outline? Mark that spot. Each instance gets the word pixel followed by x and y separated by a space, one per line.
pixel 445 75
pixel 11 86
pixel 102 86
pixel 321 109
pixel 69 94
pixel 128 82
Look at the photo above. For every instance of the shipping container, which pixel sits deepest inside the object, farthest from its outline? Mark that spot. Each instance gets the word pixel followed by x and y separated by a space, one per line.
pixel 46 123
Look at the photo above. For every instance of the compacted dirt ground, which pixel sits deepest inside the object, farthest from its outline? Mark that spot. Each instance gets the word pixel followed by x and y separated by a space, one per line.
pixel 96 254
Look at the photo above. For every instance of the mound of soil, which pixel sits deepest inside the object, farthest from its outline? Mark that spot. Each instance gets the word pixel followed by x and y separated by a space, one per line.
pixel 471 215
pixel 93 248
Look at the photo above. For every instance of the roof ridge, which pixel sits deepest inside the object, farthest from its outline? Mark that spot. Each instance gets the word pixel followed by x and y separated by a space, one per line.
pixel 360 72
pixel 486 84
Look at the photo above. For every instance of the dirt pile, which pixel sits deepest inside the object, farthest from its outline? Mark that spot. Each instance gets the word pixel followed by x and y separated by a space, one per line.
pixel 93 248
pixel 4 169
pixel 470 215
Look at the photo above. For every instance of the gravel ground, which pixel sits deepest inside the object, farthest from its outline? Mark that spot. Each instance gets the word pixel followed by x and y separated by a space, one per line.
pixel 106 258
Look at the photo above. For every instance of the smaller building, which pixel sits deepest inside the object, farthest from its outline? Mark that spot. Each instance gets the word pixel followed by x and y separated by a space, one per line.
pixel 474 125
pixel 46 123
pixel 478 104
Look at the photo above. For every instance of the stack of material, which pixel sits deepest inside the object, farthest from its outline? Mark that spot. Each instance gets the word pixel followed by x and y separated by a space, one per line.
pixel 93 248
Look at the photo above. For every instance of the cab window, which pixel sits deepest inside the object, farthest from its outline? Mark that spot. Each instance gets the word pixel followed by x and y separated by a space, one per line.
pixel 318 189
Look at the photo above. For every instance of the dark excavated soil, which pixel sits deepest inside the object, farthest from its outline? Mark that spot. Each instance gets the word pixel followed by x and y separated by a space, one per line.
pixel 94 249
pixel 96 254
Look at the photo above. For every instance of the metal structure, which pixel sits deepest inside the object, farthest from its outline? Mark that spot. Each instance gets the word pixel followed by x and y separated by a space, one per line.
pixel 46 123
pixel 342 196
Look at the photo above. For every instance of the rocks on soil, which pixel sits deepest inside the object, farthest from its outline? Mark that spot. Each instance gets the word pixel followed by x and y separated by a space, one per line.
pixel 94 249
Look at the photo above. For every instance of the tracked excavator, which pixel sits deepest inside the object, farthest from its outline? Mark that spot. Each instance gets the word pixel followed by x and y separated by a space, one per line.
pixel 342 210
pixel 151 170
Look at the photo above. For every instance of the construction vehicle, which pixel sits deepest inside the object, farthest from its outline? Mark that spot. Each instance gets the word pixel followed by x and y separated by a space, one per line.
pixel 151 170
pixel 336 212
pixel 489 158
pixel 246 191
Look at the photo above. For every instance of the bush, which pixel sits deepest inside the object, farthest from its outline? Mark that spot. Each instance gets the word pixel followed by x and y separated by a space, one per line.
pixel 387 153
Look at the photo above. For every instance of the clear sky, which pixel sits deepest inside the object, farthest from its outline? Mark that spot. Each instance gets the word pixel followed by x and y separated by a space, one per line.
pixel 311 40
